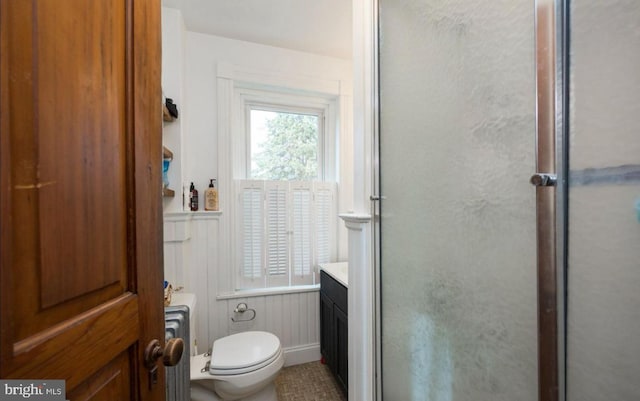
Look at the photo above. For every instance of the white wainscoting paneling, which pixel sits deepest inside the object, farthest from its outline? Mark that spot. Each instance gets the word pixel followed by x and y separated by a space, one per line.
pixel 294 318
pixel 194 260
pixel 177 232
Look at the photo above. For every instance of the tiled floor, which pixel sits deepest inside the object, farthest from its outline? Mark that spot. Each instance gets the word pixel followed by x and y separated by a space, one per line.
pixel 308 382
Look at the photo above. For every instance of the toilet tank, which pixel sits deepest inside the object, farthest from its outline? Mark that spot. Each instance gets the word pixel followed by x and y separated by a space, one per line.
pixel 189 300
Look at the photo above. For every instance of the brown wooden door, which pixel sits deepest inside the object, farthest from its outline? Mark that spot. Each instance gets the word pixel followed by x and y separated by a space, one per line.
pixel 80 173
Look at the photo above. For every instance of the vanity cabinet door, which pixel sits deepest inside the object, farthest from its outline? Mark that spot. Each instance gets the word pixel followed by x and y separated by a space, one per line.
pixel 326 330
pixel 334 332
pixel 341 332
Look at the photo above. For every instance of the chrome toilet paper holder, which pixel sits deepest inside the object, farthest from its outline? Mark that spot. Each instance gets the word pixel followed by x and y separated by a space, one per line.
pixel 241 308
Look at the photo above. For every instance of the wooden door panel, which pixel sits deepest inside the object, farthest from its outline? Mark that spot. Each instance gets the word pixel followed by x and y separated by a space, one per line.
pixel 80 153
pixel 113 382
pixel 70 230
pixel 71 216
pixel 89 341
pixel 80 139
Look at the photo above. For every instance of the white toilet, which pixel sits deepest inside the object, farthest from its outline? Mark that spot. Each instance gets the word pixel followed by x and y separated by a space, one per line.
pixel 241 367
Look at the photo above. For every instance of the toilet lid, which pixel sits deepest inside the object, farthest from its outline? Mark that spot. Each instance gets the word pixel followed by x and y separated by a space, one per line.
pixel 243 352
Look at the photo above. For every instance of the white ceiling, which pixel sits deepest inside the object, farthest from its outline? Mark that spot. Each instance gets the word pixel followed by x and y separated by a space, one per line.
pixel 314 26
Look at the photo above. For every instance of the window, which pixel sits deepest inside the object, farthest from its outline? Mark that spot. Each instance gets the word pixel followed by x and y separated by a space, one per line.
pixel 285 143
pixel 286 215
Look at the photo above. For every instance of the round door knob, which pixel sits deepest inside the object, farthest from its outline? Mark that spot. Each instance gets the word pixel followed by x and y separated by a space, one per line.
pixel 171 353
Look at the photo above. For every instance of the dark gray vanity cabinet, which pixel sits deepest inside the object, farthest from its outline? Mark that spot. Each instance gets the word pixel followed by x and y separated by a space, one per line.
pixel 334 332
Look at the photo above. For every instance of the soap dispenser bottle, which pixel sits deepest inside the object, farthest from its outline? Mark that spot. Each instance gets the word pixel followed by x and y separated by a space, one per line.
pixel 193 198
pixel 211 196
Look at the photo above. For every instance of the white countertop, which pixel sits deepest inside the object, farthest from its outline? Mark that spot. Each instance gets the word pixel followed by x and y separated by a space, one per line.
pixel 339 271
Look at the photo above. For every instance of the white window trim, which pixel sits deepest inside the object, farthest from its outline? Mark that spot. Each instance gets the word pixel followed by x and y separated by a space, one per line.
pixel 230 78
pixel 257 292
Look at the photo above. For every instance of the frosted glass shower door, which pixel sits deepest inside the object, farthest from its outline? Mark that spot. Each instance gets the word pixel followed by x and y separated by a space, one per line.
pixel 458 217
pixel 603 272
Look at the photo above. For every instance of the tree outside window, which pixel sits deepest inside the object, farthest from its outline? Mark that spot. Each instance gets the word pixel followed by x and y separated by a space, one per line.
pixel 284 145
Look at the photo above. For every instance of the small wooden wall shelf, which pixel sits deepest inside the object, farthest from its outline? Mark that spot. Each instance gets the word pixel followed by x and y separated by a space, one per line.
pixel 166 116
pixel 167 154
pixel 169 193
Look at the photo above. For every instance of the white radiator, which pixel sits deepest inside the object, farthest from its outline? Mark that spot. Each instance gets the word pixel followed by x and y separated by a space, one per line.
pixel 176 320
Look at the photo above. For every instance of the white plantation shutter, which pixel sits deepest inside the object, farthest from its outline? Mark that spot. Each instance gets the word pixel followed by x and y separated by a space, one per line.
pixel 302 235
pixel 325 222
pixel 285 229
pixel 277 238
pixel 251 233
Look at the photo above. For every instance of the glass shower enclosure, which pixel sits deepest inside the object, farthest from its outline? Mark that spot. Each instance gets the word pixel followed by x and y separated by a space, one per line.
pixel 603 250
pixel 461 108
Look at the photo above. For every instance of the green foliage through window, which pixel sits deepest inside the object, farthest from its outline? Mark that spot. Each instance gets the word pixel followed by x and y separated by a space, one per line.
pixel 284 146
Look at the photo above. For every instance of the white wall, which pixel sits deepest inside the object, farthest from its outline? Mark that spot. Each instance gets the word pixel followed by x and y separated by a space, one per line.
pixel 173 74
pixel 197 244
pixel 204 53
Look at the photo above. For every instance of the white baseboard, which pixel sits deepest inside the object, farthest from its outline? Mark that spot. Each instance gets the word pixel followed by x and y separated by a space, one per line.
pixel 301 354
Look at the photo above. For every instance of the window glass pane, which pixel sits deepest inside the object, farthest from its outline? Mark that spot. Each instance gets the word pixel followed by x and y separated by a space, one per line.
pixel 284 145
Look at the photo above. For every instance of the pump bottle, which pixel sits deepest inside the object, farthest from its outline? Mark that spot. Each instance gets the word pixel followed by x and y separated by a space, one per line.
pixel 193 198
pixel 211 196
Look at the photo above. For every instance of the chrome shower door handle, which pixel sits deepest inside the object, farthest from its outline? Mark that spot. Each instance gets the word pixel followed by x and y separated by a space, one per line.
pixel 543 180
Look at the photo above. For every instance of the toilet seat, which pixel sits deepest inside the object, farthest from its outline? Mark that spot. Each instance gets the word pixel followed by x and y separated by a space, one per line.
pixel 243 353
